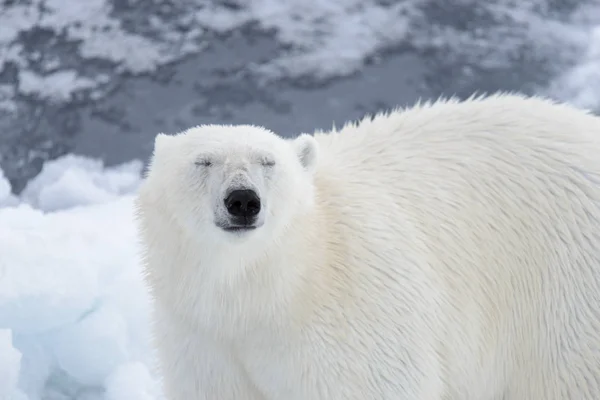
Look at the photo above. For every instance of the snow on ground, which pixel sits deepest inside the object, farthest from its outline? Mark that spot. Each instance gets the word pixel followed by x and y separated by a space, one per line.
pixel 9 368
pixel 74 181
pixel 73 307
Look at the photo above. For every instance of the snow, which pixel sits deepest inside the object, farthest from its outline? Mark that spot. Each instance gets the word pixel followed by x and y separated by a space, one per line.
pixel 7 92
pixel 73 305
pixel 327 37
pixel 102 35
pixel 72 180
pixel 9 368
pixel 4 188
pixel 131 381
pixel 90 350
pixel 60 85
pixel 580 85
pixel 89 27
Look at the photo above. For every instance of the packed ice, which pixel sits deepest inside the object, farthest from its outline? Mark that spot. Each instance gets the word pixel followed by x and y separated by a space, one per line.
pixel 73 306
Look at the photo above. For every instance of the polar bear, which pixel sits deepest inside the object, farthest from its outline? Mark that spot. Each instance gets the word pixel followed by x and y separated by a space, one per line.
pixel 449 251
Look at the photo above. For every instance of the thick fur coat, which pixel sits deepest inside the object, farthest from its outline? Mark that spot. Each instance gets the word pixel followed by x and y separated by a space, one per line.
pixel 450 251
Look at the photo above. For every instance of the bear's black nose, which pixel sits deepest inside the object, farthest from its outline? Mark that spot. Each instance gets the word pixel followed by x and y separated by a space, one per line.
pixel 243 203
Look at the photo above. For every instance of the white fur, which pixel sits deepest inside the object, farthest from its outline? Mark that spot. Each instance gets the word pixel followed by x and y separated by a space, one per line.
pixel 448 251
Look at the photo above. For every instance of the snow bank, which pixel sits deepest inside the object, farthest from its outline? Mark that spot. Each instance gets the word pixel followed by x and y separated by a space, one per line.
pixel 10 366
pixel 74 181
pixel 131 381
pixel 73 307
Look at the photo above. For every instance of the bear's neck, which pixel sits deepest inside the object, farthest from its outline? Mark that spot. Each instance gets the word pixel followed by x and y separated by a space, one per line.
pixel 233 292
pixel 279 288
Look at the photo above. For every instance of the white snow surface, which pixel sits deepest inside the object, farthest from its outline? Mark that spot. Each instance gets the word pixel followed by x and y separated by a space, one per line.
pixel 10 365
pixel 73 306
pixel 57 86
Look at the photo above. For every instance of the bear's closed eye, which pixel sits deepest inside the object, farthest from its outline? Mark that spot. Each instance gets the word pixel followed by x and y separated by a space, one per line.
pixel 267 162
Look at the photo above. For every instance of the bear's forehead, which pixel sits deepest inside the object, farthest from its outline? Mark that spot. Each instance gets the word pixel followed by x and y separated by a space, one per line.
pixel 231 133
pixel 237 141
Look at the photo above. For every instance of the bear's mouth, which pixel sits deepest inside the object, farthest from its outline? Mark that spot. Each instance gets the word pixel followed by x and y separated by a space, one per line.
pixel 238 225
pixel 239 228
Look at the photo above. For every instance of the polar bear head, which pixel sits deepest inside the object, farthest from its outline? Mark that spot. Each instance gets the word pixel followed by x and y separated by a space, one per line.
pixel 231 184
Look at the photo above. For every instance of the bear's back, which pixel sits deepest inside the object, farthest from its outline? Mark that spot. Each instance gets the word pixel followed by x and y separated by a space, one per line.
pixel 503 194
pixel 471 132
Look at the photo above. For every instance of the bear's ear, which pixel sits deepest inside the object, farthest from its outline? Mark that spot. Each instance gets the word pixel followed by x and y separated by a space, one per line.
pixel 307 149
